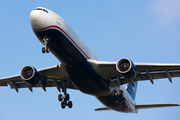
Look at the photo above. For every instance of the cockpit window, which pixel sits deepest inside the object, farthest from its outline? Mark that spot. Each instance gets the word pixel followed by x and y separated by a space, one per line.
pixel 38 9
pixel 45 10
pixel 42 10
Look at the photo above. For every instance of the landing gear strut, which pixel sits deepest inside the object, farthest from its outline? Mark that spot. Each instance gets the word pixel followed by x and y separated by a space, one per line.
pixel 45 42
pixel 65 99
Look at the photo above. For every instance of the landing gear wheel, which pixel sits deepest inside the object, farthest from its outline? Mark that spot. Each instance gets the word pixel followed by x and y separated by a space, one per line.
pixel 69 104
pixel 67 97
pixel 63 105
pixel 47 50
pixel 43 50
pixel 60 97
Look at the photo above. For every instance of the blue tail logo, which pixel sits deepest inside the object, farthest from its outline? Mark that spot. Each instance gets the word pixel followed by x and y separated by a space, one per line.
pixel 132 90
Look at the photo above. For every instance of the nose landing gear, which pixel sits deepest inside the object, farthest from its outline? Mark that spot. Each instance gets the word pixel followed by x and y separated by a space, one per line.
pixel 45 42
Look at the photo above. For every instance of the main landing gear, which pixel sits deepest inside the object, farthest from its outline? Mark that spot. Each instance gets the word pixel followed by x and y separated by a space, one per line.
pixel 65 99
pixel 118 98
pixel 118 94
pixel 45 42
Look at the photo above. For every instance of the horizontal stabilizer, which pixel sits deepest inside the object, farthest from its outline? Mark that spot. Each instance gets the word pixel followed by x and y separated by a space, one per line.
pixel 155 106
pixel 102 109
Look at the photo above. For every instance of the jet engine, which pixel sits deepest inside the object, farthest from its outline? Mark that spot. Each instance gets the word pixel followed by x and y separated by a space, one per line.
pixel 127 68
pixel 30 75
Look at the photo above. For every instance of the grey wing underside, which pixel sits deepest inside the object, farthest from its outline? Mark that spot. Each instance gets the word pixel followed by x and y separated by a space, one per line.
pixel 53 76
pixel 146 71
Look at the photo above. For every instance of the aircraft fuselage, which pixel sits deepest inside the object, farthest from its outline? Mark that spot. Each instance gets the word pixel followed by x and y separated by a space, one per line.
pixel 72 52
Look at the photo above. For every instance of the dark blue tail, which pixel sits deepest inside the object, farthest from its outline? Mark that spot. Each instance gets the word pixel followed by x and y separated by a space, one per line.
pixel 132 90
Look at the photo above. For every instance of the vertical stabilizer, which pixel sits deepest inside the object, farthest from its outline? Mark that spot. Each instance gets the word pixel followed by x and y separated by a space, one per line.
pixel 132 90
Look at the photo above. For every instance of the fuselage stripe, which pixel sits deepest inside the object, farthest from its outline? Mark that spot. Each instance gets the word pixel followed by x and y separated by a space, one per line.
pixel 129 105
pixel 53 26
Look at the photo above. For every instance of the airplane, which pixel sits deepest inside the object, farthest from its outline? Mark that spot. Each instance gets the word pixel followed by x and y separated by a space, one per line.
pixel 80 69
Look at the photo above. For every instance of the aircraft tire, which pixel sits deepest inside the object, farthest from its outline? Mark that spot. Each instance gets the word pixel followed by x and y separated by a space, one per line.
pixel 43 50
pixel 60 97
pixel 67 97
pixel 70 104
pixel 63 105
pixel 47 50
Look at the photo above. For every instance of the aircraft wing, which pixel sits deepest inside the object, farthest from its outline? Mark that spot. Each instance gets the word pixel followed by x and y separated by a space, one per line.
pixel 50 77
pixel 146 71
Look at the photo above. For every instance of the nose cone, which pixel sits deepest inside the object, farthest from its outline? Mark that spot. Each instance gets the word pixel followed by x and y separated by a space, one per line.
pixel 41 18
pixel 35 20
pixel 33 16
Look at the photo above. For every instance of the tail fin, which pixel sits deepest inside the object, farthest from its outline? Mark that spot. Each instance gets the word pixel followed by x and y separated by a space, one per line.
pixel 132 90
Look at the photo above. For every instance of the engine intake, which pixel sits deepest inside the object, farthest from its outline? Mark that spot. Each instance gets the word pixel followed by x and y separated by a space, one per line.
pixel 127 68
pixel 30 75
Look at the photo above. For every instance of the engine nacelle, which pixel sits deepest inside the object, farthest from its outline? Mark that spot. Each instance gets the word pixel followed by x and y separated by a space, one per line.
pixel 30 75
pixel 127 68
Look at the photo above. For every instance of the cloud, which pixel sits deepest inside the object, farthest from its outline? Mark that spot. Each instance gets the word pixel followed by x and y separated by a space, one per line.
pixel 166 10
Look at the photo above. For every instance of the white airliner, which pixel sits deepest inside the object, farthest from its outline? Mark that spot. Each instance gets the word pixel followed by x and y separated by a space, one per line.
pixel 80 69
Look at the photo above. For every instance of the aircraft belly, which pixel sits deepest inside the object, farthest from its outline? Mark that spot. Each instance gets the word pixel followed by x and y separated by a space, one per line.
pixel 87 80
pixel 79 70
